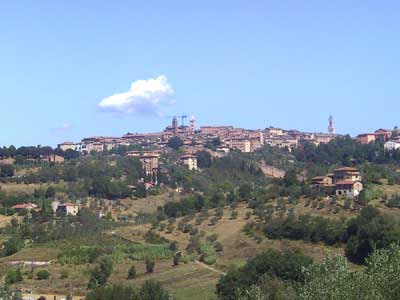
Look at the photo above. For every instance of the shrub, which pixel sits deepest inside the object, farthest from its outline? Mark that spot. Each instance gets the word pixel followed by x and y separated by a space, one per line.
pixel 42 275
pixel 13 276
pixel 162 226
pixel 248 214
pixel 212 238
pixel 198 221
pixel 150 264
pixel 152 237
pixel 170 228
pixel 218 246
pixel 152 290
pixel 64 274
pixel 219 212
pixel 173 246
pixel 214 221
pixel 234 215
pixel 208 259
pixel 132 273
pixel 176 259
pixel 100 274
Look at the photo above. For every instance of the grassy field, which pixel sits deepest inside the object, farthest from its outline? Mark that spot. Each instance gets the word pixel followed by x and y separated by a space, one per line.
pixel 5 220
pixel 238 247
pixel 185 281
pixel 22 188
pixel 149 204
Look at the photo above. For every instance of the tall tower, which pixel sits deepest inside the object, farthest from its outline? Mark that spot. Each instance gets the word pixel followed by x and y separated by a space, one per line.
pixel 192 124
pixel 331 127
pixel 175 124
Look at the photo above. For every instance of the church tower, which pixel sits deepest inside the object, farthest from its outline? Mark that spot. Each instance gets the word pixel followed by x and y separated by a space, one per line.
pixel 331 127
pixel 175 124
pixel 192 124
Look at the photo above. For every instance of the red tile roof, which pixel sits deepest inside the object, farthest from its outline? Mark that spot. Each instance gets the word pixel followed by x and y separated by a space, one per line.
pixel 347 169
pixel 345 182
pixel 68 204
pixel 24 206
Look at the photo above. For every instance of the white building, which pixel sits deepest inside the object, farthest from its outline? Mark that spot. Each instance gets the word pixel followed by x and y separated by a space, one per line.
pixel 392 145
pixel 70 146
pixel 190 161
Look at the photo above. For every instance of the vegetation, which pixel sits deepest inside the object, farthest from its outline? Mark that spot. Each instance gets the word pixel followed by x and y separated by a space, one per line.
pixel 346 151
pixel 132 273
pixel 150 290
pixel 43 275
pixel 286 266
pixel 8 294
pixel 124 224
pixel 13 276
pixel 100 274
pixel 333 279
pixel 371 229
pixel 175 142
pixel 150 264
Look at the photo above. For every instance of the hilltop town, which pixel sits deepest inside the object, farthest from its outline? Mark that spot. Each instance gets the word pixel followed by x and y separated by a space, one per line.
pixel 187 211
pixel 221 138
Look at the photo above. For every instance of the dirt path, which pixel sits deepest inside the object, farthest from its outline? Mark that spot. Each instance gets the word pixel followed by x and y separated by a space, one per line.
pixel 209 268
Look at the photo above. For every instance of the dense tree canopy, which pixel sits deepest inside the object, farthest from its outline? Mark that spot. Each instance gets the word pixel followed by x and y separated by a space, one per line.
pixel 286 266
pixel 346 151
pixel 175 142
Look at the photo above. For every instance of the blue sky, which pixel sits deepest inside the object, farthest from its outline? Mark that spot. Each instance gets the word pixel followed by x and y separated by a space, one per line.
pixel 244 63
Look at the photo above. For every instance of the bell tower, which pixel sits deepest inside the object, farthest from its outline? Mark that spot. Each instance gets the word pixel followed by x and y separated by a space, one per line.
pixel 331 127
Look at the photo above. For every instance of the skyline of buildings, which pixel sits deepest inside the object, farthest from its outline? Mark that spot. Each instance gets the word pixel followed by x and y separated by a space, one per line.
pixel 220 138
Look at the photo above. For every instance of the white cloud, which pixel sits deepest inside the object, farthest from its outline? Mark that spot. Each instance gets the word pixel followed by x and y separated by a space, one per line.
pixel 63 127
pixel 144 97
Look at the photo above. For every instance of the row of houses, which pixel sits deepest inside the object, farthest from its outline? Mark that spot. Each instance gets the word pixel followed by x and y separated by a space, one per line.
pixel 230 138
pixel 62 208
pixel 381 135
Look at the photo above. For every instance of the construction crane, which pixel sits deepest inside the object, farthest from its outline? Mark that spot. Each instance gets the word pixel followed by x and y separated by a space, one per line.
pixel 183 117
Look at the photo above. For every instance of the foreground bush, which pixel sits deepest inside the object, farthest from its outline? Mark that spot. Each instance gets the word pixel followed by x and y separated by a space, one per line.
pixel 151 290
pixel 333 279
pixel 361 234
pixel 7 294
pixel 285 266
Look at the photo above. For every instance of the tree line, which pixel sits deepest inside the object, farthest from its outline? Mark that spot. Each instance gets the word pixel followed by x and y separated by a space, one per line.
pixel 368 231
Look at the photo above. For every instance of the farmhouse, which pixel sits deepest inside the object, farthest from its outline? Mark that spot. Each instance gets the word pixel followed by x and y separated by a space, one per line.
pixel 348 188
pixel 346 173
pixel 68 209
pixel 322 181
pixel 346 181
